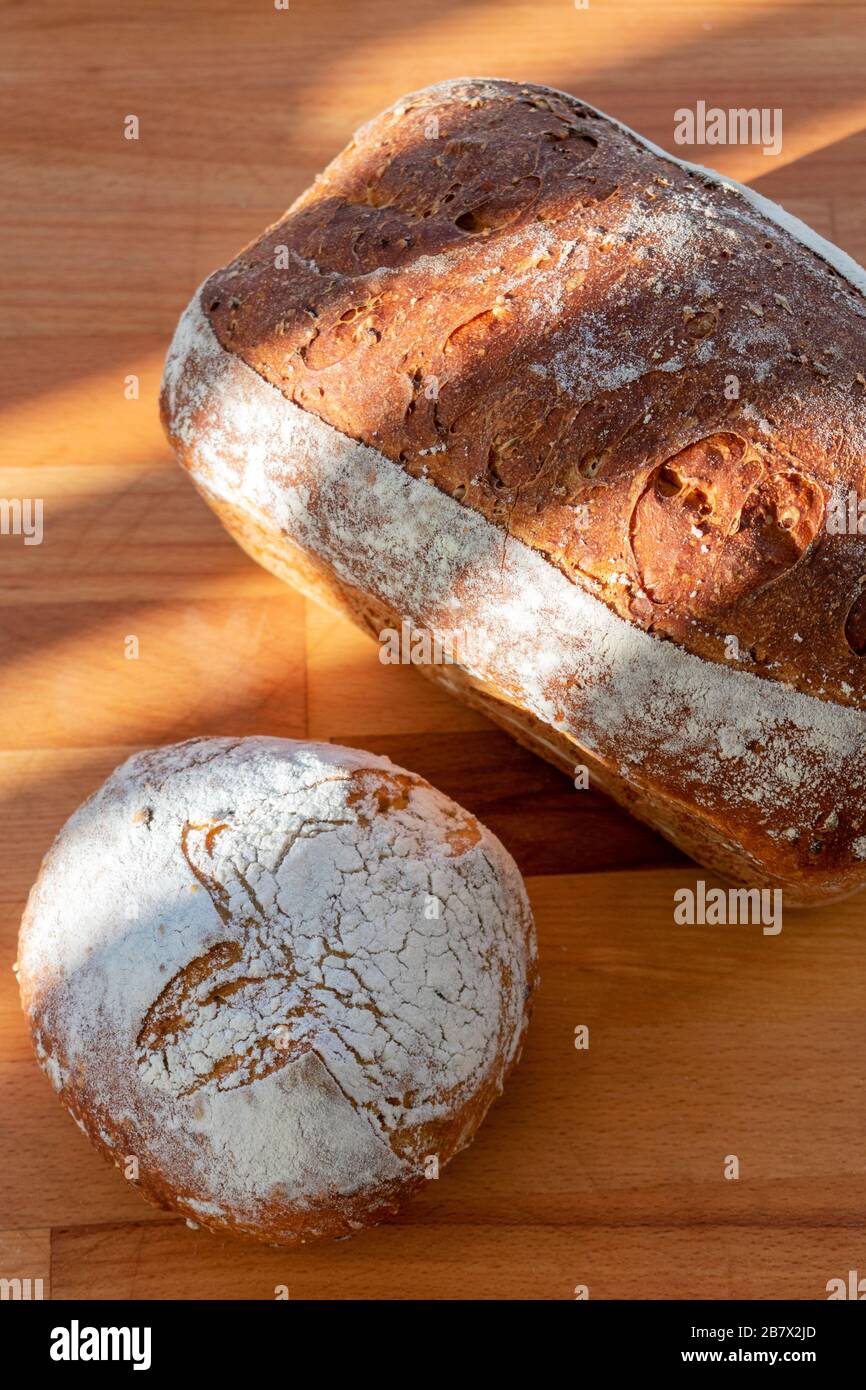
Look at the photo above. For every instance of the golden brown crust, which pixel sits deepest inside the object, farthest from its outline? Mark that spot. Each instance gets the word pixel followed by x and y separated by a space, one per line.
pixel 501 290
pixel 637 519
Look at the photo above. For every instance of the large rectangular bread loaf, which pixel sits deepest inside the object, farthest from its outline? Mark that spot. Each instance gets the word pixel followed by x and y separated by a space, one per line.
pixel 585 413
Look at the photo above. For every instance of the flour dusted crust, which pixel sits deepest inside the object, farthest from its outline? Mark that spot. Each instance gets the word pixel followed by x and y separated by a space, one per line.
pixel 281 975
pixel 476 378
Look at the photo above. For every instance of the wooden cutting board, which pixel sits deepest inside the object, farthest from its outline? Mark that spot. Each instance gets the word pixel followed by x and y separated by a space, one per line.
pixel 602 1167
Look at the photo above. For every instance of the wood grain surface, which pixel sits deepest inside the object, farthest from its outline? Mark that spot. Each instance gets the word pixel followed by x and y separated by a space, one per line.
pixel 604 1167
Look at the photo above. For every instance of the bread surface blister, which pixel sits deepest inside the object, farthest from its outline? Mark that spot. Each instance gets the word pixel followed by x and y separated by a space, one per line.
pixel 507 370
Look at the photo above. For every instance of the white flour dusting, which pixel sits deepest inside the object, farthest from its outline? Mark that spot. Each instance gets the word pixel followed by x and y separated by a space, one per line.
pixel 233 965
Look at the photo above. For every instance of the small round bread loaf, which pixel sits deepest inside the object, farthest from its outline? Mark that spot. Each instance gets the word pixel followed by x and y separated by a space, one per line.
pixel 287 978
